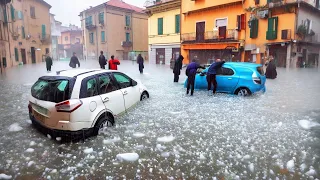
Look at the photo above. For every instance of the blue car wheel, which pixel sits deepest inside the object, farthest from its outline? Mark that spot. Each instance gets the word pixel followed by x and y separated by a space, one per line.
pixel 243 92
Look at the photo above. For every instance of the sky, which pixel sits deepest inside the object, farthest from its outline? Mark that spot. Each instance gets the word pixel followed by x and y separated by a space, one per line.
pixel 67 11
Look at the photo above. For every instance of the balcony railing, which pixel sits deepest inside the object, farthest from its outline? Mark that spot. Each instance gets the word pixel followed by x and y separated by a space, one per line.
pixel 271 35
pixel 90 26
pixel 311 39
pixel 126 43
pixel 277 3
pixel 45 38
pixel 155 2
pixel 212 36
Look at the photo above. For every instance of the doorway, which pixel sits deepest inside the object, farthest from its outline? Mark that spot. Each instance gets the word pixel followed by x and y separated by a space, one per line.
pixel 23 55
pixel 200 30
pixel 160 56
pixel 175 53
pixel 33 55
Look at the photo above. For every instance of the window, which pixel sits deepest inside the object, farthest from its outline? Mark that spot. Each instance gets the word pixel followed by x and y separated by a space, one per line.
pixel 91 38
pixel 92 89
pixel 89 21
pixel 127 20
pixel 106 84
pixel 122 79
pixel 33 12
pixel 43 28
pixel 225 71
pixel 12 12
pixel 20 15
pixel 101 18
pixel 160 26
pixel 254 28
pixel 103 38
pixel 16 54
pixel 241 22
pixel 272 28
pixel 66 38
pixel 127 37
pixel 23 32
pixel 177 23
pixel 53 91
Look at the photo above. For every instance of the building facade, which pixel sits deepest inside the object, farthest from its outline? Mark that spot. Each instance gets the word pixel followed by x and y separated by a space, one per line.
pixel 70 41
pixel 251 31
pixel 55 36
pixel 4 36
pixel 29 30
pixel 115 27
pixel 164 30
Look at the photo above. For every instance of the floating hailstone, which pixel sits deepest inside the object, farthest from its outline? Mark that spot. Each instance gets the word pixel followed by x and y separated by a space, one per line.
pixel 202 157
pixel 110 141
pixel 305 124
pixel 15 127
pixel 290 165
pixel 166 139
pixel 138 135
pixel 251 167
pixel 88 150
pixel 4 176
pixel 30 150
pixel 131 157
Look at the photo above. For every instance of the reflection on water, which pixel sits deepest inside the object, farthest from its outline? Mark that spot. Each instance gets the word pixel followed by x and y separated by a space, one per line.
pixel 175 136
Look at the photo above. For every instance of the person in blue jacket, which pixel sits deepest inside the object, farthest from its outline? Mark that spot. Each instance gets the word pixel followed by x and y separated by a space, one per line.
pixel 212 73
pixel 191 72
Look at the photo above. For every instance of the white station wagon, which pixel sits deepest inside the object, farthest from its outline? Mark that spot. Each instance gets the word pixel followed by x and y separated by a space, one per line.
pixel 79 102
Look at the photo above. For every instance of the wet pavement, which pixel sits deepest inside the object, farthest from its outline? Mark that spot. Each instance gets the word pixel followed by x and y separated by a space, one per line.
pixel 266 136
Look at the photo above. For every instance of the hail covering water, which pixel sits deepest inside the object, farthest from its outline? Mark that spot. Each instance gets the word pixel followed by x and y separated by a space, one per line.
pixel 272 135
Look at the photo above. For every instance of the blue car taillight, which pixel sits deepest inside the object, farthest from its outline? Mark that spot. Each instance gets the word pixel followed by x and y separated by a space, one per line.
pixel 257 80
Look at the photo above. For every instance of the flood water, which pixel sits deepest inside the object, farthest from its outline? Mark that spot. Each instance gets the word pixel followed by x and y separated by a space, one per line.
pixel 266 136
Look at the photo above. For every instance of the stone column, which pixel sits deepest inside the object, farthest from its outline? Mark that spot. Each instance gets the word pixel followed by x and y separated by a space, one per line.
pixel 288 56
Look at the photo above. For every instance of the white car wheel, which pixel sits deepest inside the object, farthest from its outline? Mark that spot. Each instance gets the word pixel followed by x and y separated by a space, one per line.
pixel 144 96
pixel 102 125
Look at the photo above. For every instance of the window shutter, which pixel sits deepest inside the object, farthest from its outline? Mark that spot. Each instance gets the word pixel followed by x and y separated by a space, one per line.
pixel 43 31
pixel 23 32
pixel 243 21
pixel 222 32
pixel 5 17
pixel 239 22
pixel 160 26
pixel 127 37
pixel 101 18
pixel 127 20
pixel 12 13
pixel 178 23
pixel 103 36
pixel 16 54
pixel 276 27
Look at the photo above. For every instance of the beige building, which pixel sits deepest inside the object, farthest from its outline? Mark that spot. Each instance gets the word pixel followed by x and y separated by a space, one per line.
pixel 29 31
pixel 70 41
pixel 115 27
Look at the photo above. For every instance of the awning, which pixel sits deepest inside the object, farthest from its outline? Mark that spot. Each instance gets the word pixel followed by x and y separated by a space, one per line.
pixel 204 46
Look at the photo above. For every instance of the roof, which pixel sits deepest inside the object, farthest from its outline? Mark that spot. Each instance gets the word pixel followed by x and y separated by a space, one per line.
pixel 123 5
pixel 44 3
pixel 77 72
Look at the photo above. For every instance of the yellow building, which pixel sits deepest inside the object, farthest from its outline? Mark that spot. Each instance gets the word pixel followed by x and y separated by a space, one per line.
pixel 164 30
pixel 115 27
pixel 250 31
pixel 29 31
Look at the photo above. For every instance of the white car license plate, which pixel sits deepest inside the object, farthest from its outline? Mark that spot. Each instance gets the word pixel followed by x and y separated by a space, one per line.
pixel 39 117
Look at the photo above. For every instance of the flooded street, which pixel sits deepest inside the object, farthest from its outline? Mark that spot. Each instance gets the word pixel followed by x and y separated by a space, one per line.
pixel 266 136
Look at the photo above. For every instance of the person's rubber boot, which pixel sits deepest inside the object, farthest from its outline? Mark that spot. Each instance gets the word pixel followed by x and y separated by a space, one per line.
pixel 209 93
pixel 187 93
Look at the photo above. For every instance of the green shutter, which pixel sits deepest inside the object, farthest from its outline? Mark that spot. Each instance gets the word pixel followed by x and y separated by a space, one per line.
pixel 178 23
pixel 12 13
pixel 43 27
pixel 103 38
pixel 160 26
pixel 5 15
pixel 127 20
pixel 23 33
pixel 91 37
pixel 254 28
pixel 275 27
pixel 16 54
pixel 127 37
pixel 270 24
pixel 101 18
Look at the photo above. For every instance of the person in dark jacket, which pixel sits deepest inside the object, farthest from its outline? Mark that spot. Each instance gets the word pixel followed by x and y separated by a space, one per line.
pixel 212 73
pixel 177 68
pixel 48 62
pixel 74 61
pixel 271 71
pixel 191 72
pixel 140 61
pixel 102 61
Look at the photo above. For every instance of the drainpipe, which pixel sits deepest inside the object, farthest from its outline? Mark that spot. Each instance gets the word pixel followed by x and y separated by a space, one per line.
pixel 97 54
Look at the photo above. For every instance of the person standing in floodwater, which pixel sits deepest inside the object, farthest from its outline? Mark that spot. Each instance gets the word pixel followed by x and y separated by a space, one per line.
pixel 140 61
pixel 48 62
pixel 177 68
pixel 74 61
pixel 102 61
pixel 113 63
pixel 211 75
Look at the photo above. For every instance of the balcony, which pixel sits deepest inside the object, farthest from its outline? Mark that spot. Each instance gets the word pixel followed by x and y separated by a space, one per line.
pixel 90 26
pixel 211 36
pixel 310 39
pixel 126 44
pixel 271 35
pixel 45 38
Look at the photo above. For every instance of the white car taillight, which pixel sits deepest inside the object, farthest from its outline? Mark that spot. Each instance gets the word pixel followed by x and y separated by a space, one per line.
pixel 69 105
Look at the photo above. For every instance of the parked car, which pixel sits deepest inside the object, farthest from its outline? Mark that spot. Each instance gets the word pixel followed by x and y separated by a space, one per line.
pixel 235 78
pixel 82 102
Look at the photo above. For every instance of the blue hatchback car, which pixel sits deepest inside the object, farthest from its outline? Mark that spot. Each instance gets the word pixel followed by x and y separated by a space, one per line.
pixel 238 78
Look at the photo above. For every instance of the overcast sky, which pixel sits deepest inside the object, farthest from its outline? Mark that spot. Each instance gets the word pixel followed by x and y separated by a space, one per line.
pixel 67 11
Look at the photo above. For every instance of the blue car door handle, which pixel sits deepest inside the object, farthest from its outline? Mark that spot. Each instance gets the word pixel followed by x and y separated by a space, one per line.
pixel 229 78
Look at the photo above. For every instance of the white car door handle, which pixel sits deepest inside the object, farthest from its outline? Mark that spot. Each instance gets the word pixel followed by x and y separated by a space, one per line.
pixel 125 92
pixel 106 99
